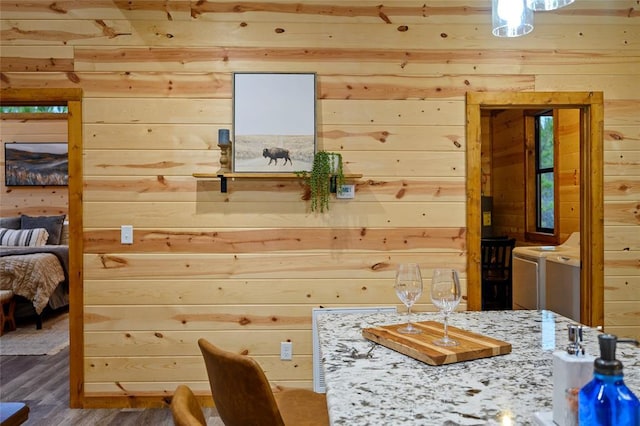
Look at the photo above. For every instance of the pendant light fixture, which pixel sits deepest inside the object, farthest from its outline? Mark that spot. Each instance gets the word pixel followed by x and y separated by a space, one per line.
pixel 541 5
pixel 512 18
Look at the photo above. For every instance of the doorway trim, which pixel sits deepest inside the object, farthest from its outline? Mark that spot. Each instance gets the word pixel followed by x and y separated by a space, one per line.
pixel 72 98
pixel 591 106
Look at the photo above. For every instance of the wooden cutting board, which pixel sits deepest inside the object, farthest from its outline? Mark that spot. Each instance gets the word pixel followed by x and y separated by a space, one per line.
pixel 420 346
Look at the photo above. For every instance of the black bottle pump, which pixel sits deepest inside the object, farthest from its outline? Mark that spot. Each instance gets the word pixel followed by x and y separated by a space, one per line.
pixel 607 364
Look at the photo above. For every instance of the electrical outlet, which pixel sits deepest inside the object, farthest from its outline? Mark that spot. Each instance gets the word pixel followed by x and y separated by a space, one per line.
pixel 286 351
pixel 126 234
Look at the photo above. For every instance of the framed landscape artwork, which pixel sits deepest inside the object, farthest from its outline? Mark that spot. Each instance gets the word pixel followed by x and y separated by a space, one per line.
pixel 274 122
pixel 36 164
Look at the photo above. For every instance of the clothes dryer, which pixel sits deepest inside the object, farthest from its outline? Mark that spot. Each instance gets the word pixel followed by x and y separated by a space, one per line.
pixel 529 272
pixel 562 284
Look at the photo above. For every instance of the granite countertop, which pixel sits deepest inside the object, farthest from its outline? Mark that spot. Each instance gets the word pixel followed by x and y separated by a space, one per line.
pixel 390 388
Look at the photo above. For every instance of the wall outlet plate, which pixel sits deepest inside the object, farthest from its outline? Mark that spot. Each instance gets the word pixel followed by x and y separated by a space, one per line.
pixel 346 191
pixel 286 351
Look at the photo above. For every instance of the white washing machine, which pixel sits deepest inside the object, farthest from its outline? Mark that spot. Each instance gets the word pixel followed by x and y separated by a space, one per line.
pixel 529 272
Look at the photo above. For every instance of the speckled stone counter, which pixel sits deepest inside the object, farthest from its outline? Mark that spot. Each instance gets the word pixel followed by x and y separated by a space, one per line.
pixel 389 388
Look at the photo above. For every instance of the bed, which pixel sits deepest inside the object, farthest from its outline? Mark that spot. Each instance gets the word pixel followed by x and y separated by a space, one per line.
pixel 35 269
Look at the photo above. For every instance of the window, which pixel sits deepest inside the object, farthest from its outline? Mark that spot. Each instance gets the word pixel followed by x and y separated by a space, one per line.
pixel 541 184
pixel 544 173
pixel 33 109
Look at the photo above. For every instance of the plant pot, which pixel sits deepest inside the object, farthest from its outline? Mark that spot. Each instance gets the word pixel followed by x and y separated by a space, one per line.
pixel 323 179
pixel 335 160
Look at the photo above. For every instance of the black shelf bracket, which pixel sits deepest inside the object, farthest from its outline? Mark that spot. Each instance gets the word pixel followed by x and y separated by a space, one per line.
pixel 223 183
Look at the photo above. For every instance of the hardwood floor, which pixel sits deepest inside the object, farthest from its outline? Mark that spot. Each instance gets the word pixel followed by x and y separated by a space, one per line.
pixel 42 382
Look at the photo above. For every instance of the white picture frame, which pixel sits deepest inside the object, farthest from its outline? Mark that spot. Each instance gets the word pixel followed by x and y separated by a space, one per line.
pixel 274 122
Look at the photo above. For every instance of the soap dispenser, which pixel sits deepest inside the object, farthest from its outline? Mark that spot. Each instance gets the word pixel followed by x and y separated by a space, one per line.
pixel 606 400
pixel 572 369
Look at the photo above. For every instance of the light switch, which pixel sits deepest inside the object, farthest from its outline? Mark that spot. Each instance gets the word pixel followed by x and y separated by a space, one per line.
pixel 486 218
pixel 126 234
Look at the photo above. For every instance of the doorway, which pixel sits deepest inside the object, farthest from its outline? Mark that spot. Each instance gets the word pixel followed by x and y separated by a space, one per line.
pixel 590 106
pixel 72 98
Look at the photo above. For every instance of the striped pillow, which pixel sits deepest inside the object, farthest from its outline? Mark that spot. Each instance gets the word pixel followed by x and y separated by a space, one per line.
pixel 23 237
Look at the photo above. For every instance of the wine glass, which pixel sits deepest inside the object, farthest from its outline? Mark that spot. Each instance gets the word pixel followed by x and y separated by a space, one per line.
pixel 445 295
pixel 408 288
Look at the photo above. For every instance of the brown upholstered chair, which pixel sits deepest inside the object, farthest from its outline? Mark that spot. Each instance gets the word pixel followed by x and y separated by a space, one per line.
pixel 243 395
pixel 185 408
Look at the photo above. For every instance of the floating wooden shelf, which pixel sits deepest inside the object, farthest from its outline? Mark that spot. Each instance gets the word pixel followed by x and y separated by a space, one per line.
pixel 223 176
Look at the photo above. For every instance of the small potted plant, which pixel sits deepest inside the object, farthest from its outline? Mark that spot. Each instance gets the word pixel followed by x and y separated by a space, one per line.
pixel 325 176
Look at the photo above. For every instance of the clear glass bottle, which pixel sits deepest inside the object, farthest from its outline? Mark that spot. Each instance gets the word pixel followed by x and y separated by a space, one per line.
pixel 606 400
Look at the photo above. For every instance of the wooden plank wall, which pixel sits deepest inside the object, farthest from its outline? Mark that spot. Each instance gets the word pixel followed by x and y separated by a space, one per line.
pixel 508 173
pixel 31 200
pixel 568 166
pixel 245 268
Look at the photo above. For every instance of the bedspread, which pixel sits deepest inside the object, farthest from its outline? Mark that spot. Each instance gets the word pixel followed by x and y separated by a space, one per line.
pixel 33 276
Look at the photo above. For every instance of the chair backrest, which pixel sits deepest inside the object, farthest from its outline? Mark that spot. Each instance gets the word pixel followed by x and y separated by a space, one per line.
pixel 241 392
pixel 185 408
pixel 496 257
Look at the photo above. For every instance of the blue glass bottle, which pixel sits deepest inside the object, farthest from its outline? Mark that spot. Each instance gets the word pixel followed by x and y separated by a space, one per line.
pixel 606 400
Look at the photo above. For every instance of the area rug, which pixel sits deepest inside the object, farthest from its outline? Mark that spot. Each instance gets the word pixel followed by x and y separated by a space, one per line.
pixel 26 340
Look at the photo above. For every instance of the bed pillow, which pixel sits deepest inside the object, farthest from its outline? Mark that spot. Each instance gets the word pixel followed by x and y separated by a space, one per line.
pixel 10 222
pixel 23 237
pixel 53 225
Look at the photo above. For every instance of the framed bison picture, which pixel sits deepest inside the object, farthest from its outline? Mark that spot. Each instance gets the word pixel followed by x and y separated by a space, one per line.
pixel 274 122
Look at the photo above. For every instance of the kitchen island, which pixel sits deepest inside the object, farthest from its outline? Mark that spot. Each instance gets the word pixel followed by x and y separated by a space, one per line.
pixel 369 384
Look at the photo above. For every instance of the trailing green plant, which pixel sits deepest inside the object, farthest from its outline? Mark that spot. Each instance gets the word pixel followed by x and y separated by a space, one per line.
pixel 325 176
